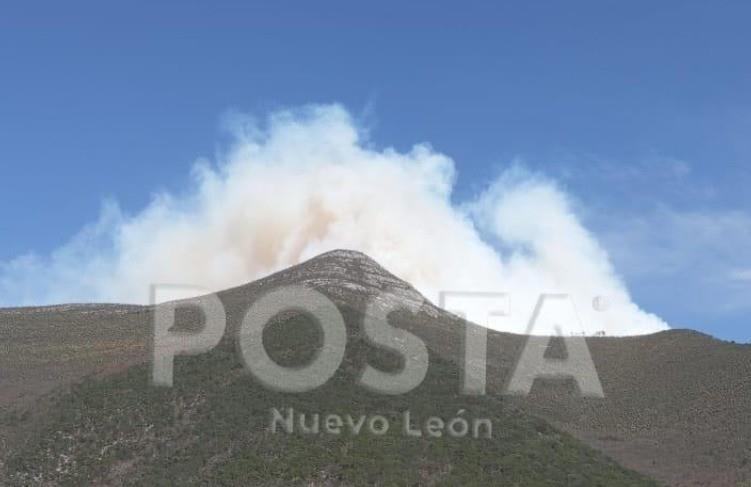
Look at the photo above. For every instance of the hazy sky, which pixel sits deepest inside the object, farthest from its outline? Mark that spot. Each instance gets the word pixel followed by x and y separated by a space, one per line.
pixel 641 111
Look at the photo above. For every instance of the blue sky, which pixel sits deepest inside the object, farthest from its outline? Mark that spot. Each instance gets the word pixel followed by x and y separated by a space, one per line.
pixel 640 110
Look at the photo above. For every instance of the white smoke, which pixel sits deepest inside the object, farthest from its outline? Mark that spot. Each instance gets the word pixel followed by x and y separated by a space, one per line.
pixel 309 182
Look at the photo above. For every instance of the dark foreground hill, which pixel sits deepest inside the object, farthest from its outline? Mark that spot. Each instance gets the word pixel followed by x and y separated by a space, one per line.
pixel 675 403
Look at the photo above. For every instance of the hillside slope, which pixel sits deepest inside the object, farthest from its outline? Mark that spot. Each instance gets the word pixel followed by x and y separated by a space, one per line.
pixel 674 405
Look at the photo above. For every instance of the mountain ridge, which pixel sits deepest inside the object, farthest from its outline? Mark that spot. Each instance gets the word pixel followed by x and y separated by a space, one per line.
pixel 674 399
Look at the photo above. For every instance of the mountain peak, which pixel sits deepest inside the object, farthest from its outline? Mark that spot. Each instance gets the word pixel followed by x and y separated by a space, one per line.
pixel 347 276
pixel 345 254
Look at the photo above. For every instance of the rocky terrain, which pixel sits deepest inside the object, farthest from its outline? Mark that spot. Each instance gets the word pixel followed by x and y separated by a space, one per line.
pixel 76 403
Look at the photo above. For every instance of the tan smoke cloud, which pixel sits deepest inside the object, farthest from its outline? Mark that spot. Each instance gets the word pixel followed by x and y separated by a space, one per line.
pixel 309 182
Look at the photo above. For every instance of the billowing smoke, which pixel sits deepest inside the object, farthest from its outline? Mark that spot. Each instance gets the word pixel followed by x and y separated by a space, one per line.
pixel 307 181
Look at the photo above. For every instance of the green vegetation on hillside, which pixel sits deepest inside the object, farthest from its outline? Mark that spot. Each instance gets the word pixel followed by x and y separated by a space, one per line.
pixel 212 428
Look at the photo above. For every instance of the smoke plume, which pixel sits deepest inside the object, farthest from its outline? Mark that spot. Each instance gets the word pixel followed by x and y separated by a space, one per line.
pixel 307 181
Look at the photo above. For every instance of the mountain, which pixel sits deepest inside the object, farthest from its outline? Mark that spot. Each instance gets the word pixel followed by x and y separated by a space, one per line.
pixel 78 408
